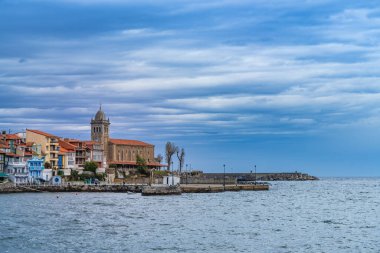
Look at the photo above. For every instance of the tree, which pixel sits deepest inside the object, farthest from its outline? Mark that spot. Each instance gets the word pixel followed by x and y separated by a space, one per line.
pixel 181 158
pixel 141 165
pixel 47 165
pixel 159 158
pixel 170 150
pixel 90 166
pixel 74 175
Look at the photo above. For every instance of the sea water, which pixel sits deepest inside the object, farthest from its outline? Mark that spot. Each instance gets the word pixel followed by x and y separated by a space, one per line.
pixel 330 215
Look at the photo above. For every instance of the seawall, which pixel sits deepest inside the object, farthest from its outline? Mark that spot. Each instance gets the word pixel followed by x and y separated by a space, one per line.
pixel 146 190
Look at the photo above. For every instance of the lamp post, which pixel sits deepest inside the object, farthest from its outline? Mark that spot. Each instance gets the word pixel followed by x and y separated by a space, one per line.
pixel 172 175
pixel 255 175
pixel 224 177
pixel 186 173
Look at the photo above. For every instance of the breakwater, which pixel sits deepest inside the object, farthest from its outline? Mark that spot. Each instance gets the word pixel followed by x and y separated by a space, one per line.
pixel 241 178
pixel 144 189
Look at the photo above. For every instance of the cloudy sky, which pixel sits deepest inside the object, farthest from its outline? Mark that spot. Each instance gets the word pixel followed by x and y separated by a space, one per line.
pixel 284 85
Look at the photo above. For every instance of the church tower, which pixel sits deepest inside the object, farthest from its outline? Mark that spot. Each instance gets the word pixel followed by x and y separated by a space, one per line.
pixel 100 130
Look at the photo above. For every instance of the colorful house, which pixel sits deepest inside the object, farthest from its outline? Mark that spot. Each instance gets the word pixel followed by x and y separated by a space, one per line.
pixel 49 145
pixel 16 169
pixel 37 172
pixel 67 151
pixel 2 161
pixel 3 175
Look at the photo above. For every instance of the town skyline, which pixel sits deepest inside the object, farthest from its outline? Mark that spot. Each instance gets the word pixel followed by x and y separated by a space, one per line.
pixel 284 85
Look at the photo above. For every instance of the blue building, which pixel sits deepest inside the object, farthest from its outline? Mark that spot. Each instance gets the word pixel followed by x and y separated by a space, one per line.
pixel 36 167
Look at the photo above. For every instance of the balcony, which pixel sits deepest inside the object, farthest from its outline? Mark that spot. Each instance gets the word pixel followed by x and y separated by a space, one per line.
pixel 35 168
pixel 54 141
pixel 16 164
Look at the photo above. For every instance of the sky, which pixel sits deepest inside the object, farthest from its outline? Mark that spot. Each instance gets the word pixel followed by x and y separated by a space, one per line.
pixel 283 85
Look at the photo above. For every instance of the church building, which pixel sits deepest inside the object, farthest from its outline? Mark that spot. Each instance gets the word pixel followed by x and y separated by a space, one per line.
pixel 120 153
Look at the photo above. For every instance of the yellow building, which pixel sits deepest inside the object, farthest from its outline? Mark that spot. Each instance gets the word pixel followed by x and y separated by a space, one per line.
pixel 49 145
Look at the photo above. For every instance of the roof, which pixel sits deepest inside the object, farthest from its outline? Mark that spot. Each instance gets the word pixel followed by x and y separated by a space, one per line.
pixel 26 153
pixel 2 145
pixel 62 150
pixel 100 115
pixel 12 137
pixel 67 146
pixel 91 142
pixel 41 133
pixel 29 144
pixel 130 142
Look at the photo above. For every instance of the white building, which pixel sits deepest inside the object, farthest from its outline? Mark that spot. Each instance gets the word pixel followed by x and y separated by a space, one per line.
pixel 171 180
pixel 16 169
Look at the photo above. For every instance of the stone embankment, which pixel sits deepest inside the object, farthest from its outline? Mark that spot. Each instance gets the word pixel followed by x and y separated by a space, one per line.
pixel 201 188
pixel 161 190
pixel 144 189
pixel 287 177
pixel 11 188
pixel 242 178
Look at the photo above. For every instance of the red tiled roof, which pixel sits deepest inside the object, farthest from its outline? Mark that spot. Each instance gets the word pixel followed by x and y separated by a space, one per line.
pixel 91 142
pixel 12 137
pixel 67 146
pixel 2 145
pixel 41 133
pixel 62 150
pixel 29 144
pixel 130 142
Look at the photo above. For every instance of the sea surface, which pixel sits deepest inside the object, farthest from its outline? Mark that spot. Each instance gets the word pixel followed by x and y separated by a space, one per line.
pixel 330 215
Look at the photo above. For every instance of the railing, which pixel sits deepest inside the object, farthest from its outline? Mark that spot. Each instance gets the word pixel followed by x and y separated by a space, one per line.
pixel 16 164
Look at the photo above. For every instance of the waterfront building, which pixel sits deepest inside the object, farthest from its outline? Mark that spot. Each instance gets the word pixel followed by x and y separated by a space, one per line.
pixel 4 147
pixel 66 157
pixel 171 180
pixel 120 153
pixel 80 152
pixel 34 148
pixel 12 140
pixel 2 161
pixel 37 172
pixel 95 153
pixel 16 169
pixel 49 145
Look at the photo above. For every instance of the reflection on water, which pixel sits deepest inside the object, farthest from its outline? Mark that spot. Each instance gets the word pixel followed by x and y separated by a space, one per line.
pixel 331 215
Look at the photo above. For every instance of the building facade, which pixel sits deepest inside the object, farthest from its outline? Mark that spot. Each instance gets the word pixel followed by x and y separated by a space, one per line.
pixel 100 130
pixel 16 169
pixel 120 152
pixel 37 172
pixel 2 161
pixel 49 145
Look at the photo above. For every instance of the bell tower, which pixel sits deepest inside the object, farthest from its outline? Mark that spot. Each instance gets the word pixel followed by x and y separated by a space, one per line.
pixel 100 130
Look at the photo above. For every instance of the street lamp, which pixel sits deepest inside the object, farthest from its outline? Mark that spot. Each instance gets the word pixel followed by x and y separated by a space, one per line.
pixel 172 174
pixel 224 176
pixel 186 173
pixel 255 175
